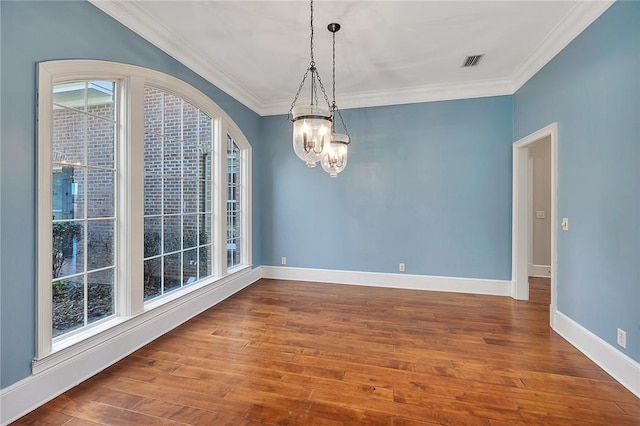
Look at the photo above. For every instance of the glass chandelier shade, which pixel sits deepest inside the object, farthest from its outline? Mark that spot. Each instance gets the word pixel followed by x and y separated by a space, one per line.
pixel 335 160
pixel 311 132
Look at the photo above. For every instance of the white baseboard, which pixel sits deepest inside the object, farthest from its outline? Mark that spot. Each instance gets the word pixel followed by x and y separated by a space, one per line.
pixel 406 281
pixel 35 390
pixel 622 368
pixel 543 271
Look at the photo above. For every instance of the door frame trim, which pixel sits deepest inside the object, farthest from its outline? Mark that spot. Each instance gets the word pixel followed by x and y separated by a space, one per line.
pixel 520 218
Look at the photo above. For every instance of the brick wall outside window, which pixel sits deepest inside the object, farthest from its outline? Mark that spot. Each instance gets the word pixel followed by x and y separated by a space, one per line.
pixel 178 186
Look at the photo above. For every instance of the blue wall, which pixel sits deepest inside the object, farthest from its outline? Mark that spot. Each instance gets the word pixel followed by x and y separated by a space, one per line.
pixel 592 89
pixel 426 184
pixel 39 31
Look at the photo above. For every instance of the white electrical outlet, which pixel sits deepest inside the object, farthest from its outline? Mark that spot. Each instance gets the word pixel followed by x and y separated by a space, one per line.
pixel 622 338
pixel 401 267
pixel 565 223
pixel 284 260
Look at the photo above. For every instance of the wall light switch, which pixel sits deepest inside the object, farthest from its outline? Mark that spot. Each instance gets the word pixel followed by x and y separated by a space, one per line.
pixel 539 214
pixel 565 223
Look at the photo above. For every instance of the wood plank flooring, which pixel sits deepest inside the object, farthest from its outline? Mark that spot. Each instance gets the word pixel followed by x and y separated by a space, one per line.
pixel 292 353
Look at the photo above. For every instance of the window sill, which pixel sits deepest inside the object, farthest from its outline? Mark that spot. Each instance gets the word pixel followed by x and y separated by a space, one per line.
pixel 103 332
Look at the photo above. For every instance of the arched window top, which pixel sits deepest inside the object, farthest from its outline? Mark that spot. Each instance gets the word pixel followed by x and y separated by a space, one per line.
pixel 86 69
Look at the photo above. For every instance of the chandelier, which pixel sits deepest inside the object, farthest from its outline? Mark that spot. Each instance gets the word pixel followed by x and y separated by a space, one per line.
pixel 314 138
pixel 335 160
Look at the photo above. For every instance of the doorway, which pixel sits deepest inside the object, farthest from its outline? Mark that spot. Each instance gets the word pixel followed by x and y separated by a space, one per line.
pixel 521 232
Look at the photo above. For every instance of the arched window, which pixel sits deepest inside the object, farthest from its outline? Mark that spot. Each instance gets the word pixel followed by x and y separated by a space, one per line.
pixel 143 195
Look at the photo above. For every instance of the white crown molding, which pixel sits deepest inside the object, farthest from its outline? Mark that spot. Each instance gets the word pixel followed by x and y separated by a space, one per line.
pixel 576 21
pixel 132 16
pixel 138 20
pixel 408 95
pixel 622 368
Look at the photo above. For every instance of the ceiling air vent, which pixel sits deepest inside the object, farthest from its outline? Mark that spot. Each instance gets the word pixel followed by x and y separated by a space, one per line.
pixel 472 60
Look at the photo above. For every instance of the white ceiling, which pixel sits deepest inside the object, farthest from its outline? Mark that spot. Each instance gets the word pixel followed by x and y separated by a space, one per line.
pixel 388 52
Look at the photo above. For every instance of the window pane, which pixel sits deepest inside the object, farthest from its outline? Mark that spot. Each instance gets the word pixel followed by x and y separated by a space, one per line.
pixel 68 248
pixel 172 196
pixel 206 164
pixel 190 231
pixel 233 247
pixel 152 154
pixel 205 134
pixel 67 192
pixel 190 115
pixel 233 194
pixel 70 95
pixel 152 236
pixel 205 229
pixel 190 266
pixel 172 158
pixel 172 233
pixel 172 271
pixel 100 244
pixel 100 141
pixel 152 278
pixel 233 203
pixel 99 295
pixel 100 99
pixel 68 305
pixel 233 226
pixel 172 119
pixel 190 196
pixel 78 190
pixel 193 161
pixel 152 195
pixel 68 136
pixel 153 106
pixel 205 196
pixel 204 261
pixel 100 190
pixel 231 255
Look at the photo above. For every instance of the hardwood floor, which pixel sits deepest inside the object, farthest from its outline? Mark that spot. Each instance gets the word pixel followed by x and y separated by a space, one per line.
pixel 540 290
pixel 283 352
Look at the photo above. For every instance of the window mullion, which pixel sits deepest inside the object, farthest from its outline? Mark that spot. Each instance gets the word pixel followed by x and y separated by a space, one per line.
pixel 245 157
pixel 44 316
pixel 130 287
pixel 220 198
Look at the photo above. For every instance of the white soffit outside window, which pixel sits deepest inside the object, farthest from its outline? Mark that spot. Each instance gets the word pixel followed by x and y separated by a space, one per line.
pixel 391 52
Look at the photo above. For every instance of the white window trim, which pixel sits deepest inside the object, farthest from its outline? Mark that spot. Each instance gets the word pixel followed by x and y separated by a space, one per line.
pixel 245 189
pixel 130 308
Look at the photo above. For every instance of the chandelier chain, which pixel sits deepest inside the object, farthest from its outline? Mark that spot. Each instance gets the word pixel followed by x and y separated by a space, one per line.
pixel 334 106
pixel 304 78
pixel 334 68
pixel 343 124
pixel 326 98
pixel 311 40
